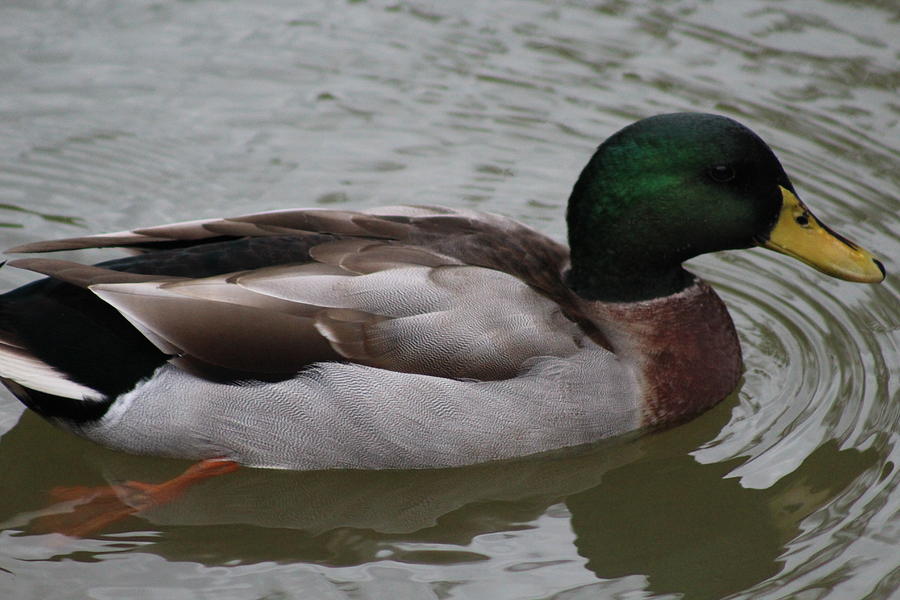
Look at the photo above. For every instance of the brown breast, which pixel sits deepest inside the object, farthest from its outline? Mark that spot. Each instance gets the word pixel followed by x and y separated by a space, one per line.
pixel 683 348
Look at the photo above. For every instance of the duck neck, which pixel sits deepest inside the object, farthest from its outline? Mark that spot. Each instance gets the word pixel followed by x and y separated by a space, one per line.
pixel 615 280
pixel 682 348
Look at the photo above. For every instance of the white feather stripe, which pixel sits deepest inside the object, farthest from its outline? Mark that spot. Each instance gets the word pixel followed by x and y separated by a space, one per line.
pixel 32 373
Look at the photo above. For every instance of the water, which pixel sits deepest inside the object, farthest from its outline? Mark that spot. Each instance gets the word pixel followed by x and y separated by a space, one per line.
pixel 114 115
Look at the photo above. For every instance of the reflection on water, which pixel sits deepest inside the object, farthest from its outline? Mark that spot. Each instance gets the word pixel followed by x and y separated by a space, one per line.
pixel 123 114
pixel 695 531
pixel 54 218
pixel 636 507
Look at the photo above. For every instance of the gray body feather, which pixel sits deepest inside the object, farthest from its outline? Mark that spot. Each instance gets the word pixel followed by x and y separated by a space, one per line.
pixel 340 415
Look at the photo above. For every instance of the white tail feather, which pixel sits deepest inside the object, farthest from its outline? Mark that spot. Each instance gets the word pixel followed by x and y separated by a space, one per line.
pixel 33 373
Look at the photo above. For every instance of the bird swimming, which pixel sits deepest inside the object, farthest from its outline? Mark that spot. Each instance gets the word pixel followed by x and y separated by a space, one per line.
pixel 413 336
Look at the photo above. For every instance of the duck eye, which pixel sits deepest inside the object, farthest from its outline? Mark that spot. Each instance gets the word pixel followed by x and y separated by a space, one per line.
pixel 721 173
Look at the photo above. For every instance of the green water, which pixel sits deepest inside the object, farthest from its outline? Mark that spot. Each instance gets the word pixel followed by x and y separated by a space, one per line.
pixel 115 115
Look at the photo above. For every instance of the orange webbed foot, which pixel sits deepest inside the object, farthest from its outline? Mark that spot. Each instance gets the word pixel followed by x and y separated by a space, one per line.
pixel 86 510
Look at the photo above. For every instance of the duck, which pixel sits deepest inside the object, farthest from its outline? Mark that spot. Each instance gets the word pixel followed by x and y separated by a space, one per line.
pixel 408 337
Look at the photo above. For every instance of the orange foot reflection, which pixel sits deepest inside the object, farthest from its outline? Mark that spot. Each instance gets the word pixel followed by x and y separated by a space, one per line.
pixel 90 509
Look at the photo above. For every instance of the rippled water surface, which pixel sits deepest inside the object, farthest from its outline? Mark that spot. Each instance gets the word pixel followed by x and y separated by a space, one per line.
pixel 119 114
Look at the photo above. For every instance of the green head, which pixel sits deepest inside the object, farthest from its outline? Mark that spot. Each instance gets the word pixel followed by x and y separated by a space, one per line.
pixel 670 187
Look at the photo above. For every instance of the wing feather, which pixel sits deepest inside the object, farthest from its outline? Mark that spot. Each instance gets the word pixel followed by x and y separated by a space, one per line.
pixel 437 291
pixel 223 334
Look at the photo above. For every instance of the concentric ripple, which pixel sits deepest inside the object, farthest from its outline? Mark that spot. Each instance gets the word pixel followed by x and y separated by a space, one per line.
pixel 820 356
pixel 815 359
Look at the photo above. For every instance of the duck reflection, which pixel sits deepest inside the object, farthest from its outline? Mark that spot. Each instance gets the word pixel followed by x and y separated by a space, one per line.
pixel 692 530
pixel 638 506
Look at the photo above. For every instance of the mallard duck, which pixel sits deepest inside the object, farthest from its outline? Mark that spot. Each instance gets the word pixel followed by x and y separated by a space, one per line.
pixel 411 336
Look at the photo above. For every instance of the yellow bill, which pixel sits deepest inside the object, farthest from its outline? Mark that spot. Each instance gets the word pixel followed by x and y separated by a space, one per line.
pixel 800 235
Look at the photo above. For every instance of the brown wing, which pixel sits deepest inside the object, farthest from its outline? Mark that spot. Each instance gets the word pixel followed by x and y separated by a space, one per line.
pixel 432 291
pixel 475 238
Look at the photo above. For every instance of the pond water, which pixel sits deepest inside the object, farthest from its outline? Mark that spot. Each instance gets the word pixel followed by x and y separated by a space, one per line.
pixel 115 115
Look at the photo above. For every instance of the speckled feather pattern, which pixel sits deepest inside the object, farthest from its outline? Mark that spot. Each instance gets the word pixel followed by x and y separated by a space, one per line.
pixel 339 415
